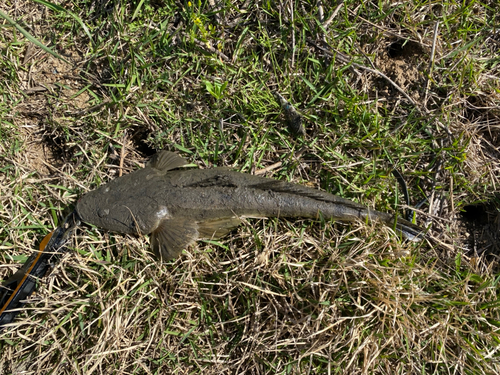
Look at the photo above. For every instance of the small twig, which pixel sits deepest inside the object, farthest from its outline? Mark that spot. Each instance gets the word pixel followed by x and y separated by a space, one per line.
pixel 321 13
pixel 396 86
pixel 333 15
pixel 431 63
pixel 268 168
pixel 426 214
pixel 441 243
pixel 367 58
pixel 35 89
pixel 321 18
pixel 271 167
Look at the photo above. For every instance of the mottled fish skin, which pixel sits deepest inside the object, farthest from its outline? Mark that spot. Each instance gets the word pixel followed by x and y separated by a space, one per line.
pixel 179 206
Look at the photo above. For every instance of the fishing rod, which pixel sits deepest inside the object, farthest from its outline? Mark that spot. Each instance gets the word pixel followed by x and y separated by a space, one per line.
pixel 18 287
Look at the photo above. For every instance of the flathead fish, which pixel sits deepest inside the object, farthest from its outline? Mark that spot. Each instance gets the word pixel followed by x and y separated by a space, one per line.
pixel 178 206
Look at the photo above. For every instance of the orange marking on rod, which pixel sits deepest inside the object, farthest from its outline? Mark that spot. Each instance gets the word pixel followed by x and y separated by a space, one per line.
pixel 43 244
pixel 45 241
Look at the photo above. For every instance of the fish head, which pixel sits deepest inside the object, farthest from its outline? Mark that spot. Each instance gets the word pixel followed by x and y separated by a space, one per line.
pixel 117 206
pixel 128 204
pixel 94 208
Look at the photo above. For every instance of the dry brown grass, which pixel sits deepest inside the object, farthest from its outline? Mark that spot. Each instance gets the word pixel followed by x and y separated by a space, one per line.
pixel 275 296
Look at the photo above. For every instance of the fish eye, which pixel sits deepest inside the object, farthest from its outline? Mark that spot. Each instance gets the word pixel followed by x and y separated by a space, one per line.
pixel 103 212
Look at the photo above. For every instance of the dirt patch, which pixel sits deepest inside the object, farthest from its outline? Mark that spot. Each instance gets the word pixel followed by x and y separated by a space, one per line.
pixel 46 74
pixel 51 95
pixel 36 155
pixel 403 62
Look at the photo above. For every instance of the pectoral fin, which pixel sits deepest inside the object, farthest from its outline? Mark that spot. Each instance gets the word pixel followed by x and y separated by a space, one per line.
pixel 217 228
pixel 166 160
pixel 172 236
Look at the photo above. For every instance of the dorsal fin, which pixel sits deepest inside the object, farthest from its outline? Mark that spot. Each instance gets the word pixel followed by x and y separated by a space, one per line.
pixel 164 161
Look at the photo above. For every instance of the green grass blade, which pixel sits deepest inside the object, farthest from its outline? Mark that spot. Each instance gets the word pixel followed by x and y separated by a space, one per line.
pixel 31 38
pixel 59 8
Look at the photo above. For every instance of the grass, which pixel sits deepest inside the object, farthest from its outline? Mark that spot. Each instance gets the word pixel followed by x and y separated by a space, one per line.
pixel 275 296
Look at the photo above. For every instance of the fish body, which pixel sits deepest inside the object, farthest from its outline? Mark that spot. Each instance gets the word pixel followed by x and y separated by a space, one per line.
pixel 178 206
